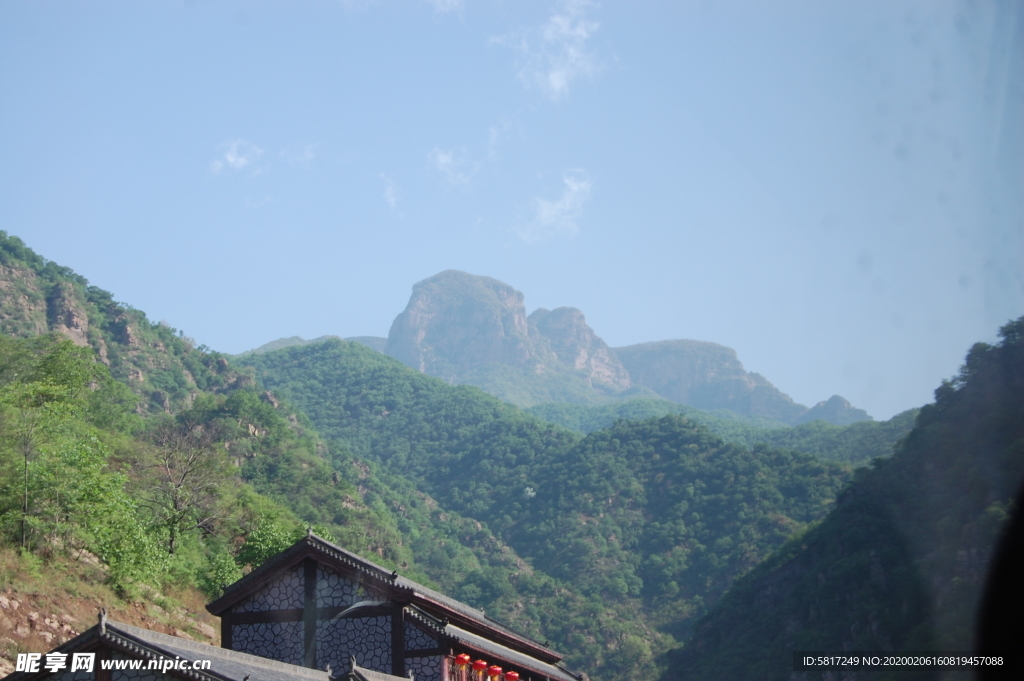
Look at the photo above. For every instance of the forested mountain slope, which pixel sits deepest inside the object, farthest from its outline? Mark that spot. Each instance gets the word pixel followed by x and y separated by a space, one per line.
pixel 658 515
pixel 900 562
pixel 105 464
pixel 152 492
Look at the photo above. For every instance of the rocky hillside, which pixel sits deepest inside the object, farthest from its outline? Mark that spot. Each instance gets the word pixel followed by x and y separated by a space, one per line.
pixel 161 365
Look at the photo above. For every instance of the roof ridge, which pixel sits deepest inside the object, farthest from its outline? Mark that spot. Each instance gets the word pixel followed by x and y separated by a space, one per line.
pixel 150 637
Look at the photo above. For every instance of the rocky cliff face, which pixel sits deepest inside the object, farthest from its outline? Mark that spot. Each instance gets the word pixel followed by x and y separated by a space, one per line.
pixel 23 308
pixel 457 322
pixel 576 346
pixel 466 328
pixel 66 313
pixel 462 327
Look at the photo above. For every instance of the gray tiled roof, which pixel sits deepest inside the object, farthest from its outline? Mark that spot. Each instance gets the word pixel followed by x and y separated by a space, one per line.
pixel 225 665
pixel 522 662
pixel 230 665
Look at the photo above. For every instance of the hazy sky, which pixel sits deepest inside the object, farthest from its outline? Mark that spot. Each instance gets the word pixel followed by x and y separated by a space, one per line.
pixel 832 189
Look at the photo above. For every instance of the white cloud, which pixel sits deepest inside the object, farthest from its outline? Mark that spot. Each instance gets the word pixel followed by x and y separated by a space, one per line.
pixel 455 167
pixel 237 155
pixel 390 191
pixel 558 218
pixel 557 53
pixel 444 6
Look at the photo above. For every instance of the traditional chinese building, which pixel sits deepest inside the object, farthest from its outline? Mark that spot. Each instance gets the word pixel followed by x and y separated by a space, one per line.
pixel 316 604
pixel 315 612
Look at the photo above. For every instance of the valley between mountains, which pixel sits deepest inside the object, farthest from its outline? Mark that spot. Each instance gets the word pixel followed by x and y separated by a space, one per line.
pixel 655 511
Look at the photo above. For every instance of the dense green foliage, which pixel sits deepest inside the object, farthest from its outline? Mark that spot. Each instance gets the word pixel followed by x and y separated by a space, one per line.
pixel 856 443
pixel 57 493
pixel 651 518
pixel 169 498
pixel 900 562
pixel 385 411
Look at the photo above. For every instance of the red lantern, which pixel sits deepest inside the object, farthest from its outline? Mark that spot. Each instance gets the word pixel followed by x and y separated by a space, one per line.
pixel 479 666
pixel 462 659
pixel 511 676
pixel 494 672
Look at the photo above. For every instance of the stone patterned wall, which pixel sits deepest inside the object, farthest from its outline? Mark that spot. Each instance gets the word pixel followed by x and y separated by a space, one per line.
pixel 334 590
pixel 417 639
pixel 369 639
pixel 283 593
pixel 282 641
pixel 425 668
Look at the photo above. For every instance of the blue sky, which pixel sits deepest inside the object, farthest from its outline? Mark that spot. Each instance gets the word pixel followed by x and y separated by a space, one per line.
pixel 832 189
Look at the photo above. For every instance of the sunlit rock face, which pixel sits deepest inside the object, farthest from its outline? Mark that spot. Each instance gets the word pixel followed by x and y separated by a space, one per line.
pixel 576 346
pixel 66 314
pixel 457 322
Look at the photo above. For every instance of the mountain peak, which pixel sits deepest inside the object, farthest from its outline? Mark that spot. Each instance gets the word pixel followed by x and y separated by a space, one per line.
pixel 456 321
pixel 835 409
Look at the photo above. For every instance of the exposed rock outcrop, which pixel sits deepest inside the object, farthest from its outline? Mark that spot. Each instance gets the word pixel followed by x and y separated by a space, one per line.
pixel 457 322
pixel 66 315
pixel 577 347
pixel 22 303
pixel 466 328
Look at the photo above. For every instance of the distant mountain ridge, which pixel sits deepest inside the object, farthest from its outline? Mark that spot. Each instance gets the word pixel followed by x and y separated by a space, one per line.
pixel 472 329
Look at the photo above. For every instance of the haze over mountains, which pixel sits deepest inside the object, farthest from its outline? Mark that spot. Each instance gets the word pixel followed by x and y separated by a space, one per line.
pixel 470 329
